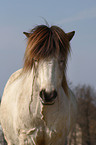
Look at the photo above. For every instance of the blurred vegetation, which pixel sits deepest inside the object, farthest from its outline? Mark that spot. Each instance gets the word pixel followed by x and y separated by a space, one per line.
pixel 85 129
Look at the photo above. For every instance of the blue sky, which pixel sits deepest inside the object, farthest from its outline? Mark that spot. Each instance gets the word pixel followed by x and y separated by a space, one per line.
pixel 22 15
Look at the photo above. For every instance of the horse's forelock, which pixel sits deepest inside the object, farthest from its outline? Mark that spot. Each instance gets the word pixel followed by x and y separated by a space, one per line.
pixel 44 42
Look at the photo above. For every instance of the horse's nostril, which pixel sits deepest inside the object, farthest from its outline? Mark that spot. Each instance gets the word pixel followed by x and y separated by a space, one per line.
pixel 54 93
pixel 48 96
pixel 42 94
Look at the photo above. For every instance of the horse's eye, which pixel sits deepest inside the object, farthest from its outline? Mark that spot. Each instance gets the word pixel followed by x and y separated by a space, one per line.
pixel 35 61
pixel 61 62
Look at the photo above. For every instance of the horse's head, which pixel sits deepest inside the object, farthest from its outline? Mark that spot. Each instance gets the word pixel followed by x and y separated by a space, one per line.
pixel 47 52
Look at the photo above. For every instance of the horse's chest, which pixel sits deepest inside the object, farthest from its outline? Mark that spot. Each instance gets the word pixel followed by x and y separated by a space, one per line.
pixel 46 127
pixel 44 132
pixel 32 136
pixel 41 136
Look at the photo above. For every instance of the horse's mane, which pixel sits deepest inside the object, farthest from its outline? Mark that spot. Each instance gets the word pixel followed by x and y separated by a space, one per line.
pixel 43 42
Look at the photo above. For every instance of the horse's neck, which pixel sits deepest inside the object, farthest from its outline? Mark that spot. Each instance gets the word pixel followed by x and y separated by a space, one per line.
pixel 30 90
pixel 26 83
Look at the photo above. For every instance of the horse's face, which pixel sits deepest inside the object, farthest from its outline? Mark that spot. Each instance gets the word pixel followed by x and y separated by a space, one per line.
pixel 45 42
pixel 49 78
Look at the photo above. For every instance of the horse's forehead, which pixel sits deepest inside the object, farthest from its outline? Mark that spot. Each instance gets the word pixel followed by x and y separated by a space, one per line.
pixel 48 62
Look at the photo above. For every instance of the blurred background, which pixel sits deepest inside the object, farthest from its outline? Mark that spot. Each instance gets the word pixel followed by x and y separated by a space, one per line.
pixel 22 15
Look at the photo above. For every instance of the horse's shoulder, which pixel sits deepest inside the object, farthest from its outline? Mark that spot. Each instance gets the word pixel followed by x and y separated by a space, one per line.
pixel 13 77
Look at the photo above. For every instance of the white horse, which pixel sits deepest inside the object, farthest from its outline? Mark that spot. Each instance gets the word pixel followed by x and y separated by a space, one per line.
pixel 37 107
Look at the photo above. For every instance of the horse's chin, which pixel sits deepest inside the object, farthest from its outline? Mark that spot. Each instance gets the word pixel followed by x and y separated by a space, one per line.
pixel 47 103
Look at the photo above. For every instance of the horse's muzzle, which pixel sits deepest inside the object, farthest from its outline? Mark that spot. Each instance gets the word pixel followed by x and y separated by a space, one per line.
pixel 48 98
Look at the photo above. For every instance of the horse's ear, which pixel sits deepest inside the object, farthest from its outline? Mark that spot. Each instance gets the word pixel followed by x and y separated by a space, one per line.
pixel 26 34
pixel 70 35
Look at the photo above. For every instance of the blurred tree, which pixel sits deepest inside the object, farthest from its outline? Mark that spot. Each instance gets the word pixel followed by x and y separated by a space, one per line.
pixel 86 119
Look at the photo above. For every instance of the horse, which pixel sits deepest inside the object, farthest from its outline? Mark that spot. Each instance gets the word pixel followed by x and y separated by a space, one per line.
pixel 38 107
